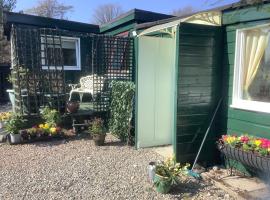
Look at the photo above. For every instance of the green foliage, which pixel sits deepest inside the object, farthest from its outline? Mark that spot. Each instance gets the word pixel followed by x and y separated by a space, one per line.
pixel 121 108
pixel 51 116
pixel 14 124
pixel 97 127
pixel 170 170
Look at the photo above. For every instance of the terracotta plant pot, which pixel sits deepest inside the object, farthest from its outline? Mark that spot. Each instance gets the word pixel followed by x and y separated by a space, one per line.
pixel 73 106
pixel 99 139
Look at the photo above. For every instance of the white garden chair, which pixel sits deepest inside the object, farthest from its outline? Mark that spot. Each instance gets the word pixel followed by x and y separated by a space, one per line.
pixel 86 86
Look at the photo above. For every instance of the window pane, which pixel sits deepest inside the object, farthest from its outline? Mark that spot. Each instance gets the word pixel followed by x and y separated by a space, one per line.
pixel 53 57
pixel 53 53
pixel 69 57
pixel 259 89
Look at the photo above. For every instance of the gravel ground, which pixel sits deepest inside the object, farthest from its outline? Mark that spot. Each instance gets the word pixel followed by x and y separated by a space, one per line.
pixel 77 169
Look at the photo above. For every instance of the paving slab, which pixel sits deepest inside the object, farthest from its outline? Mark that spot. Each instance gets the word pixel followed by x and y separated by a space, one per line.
pixel 239 187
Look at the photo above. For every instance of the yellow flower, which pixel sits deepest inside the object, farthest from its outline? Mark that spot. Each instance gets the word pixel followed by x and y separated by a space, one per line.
pixel 231 139
pixel 41 126
pixel 46 126
pixel 53 130
pixel 258 142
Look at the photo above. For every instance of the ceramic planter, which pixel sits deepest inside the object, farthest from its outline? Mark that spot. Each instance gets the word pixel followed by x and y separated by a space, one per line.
pixel 162 184
pixel 15 138
pixel 99 139
pixel 247 158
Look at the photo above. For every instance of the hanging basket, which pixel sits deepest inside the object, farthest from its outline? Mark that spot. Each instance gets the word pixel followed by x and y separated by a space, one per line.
pixel 247 158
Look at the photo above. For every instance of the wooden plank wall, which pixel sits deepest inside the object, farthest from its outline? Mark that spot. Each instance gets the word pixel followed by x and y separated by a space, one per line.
pixel 199 89
pixel 241 121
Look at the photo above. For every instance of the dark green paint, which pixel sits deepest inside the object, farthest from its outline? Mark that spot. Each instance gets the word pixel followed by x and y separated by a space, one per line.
pixel 252 13
pixel 199 72
pixel 241 121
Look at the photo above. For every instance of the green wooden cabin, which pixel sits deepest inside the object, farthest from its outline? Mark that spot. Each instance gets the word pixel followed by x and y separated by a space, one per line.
pixel 179 70
pixel 245 115
pixel 126 23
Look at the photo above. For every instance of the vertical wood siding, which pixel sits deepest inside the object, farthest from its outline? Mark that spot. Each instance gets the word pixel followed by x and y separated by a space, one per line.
pixel 240 121
pixel 199 83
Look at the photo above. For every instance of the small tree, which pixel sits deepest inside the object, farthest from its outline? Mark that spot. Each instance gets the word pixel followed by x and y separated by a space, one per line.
pixel 5 5
pixel 50 8
pixel 107 12
pixel 8 5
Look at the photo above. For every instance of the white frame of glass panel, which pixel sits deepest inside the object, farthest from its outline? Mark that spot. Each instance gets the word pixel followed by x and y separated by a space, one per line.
pixel 78 53
pixel 237 101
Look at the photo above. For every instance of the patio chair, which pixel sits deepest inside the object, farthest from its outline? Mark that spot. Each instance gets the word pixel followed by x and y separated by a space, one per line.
pixel 86 86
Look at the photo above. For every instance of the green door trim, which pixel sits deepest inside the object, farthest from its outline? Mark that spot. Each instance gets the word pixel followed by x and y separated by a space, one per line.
pixel 175 90
pixel 136 46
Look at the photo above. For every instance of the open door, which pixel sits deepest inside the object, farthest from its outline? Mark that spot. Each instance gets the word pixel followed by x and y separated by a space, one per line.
pixel 155 91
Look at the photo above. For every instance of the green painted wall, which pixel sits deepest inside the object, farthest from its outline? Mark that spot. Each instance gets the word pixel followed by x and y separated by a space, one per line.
pixel 199 75
pixel 241 121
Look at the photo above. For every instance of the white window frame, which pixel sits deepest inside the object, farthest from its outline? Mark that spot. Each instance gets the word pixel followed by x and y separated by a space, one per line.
pixel 237 101
pixel 78 54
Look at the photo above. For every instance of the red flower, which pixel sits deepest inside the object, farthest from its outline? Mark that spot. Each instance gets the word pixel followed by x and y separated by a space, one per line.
pixel 244 139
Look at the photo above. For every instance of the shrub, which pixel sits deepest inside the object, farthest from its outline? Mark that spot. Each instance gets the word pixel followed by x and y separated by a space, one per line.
pixel 15 123
pixel 51 116
pixel 121 108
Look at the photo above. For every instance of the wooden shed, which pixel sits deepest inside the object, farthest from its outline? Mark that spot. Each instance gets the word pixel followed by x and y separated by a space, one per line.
pixel 179 68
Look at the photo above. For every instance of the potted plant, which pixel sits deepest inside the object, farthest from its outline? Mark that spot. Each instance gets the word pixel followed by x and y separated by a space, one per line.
pixel 97 130
pixel 13 126
pixel 73 106
pixel 51 116
pixel 167 174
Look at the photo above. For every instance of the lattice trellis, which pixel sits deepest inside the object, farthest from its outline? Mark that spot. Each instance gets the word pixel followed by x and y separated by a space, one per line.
pixel 39 76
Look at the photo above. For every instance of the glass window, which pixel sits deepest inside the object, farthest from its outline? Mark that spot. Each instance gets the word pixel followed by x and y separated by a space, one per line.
pixel 251 88
pixel 52 52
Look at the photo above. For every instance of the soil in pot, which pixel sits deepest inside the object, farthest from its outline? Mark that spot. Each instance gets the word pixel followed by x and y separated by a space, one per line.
pixel 162 184
pixel 99 139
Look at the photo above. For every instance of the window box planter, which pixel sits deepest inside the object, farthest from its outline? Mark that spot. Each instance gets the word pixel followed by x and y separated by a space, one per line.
pixel 247 158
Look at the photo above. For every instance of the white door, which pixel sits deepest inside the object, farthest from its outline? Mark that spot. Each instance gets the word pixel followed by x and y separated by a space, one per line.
pixel 155 91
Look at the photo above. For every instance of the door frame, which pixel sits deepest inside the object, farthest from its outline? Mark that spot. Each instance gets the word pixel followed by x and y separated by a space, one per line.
pixel 136 51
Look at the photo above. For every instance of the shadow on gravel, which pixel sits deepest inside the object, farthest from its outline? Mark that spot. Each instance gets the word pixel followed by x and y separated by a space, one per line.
pixel 187 189
pixel 115 143
pixel 65 139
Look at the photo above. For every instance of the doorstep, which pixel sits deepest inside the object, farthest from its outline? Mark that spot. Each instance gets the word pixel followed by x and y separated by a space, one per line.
pixel 164 151
pixel 239 187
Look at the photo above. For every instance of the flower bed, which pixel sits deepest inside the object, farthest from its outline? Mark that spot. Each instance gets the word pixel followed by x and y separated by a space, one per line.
pixel 4 117
pixel 249 150
pixel 41 132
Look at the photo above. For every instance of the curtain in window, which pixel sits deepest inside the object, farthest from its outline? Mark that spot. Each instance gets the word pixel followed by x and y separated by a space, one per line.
pixel 255 43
